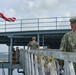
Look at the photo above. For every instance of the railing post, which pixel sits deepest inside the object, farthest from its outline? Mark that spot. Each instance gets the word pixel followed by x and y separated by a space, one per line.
pixel 5 26
pixel 43 41
pixel 68 68
pixel 10 59
pixel 38 24
pixel 21 24
pixel 56 23
pixel 38 40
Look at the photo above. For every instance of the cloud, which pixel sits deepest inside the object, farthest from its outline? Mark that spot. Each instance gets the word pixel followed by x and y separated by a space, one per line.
pixel 9 12
pixel 38 8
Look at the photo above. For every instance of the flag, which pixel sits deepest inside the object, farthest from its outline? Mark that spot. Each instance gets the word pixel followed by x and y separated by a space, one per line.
pixel 12 19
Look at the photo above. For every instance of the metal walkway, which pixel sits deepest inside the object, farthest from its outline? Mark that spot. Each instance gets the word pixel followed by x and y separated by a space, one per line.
pixel 48 31
pixel 35 24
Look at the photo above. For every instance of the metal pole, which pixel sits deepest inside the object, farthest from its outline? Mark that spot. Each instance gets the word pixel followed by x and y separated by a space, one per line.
pixel 43 41
pixel 5 26
pixel 24 47
pixel 21 24
pixel 11 46
pixel 8 53
pixel 38 38
pixel 38 24
pixel 38 33
pixel 56 23
pixel 8 59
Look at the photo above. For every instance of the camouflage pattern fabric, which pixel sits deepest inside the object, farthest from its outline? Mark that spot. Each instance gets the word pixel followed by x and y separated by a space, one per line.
pixel 17 55
pixel 33 45
pixel 13 57
pixel 68 43
pixel 73 20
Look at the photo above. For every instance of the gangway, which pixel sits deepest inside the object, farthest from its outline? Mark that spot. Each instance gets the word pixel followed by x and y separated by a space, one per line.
pixel 48 31
pixel 45 62
pixel 41 62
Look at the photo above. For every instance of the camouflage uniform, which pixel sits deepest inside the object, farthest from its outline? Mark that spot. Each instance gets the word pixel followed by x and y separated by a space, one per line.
pixel 68 43
pixel 33 45
pixel 13 56
pixel 17 55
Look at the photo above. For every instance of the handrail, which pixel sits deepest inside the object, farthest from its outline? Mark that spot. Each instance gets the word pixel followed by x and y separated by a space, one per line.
pixel 53 23
pixel 47 59
pixel 69 56
pixel 4 56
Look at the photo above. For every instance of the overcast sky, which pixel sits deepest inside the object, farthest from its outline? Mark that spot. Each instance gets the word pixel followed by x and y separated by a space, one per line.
pixel 23 9
pixel 38 8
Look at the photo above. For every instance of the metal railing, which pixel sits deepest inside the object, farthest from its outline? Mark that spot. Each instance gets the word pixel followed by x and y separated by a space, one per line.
pixel 53 23
pixel 44 62
pixel 4 56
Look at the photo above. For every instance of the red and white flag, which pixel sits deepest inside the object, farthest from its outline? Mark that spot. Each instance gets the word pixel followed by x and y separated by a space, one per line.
pixel 12 19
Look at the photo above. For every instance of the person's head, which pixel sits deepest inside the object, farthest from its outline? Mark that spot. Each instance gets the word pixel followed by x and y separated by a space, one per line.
pixel 13 49
pixel 73 23
pixel 17 47
pixel 33 38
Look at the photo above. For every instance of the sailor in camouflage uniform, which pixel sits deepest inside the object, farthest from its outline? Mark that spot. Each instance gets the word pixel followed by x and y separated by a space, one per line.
pixel 33 45
pixel 68 42
pixel 17 54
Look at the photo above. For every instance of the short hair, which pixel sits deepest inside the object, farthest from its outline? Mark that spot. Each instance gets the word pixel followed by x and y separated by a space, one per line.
pixel 33 38
pixel 73 20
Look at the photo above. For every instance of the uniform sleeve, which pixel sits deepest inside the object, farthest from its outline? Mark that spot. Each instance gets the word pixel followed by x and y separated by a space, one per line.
pixel 38 45
pixel 28 45
pixel 64 43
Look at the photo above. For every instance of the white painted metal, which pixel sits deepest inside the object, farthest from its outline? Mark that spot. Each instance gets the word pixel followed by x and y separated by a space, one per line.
pixel 39 69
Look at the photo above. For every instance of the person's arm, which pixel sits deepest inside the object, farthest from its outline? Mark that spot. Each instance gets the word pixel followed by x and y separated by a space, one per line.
pixel 63 45
pixel 38 46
